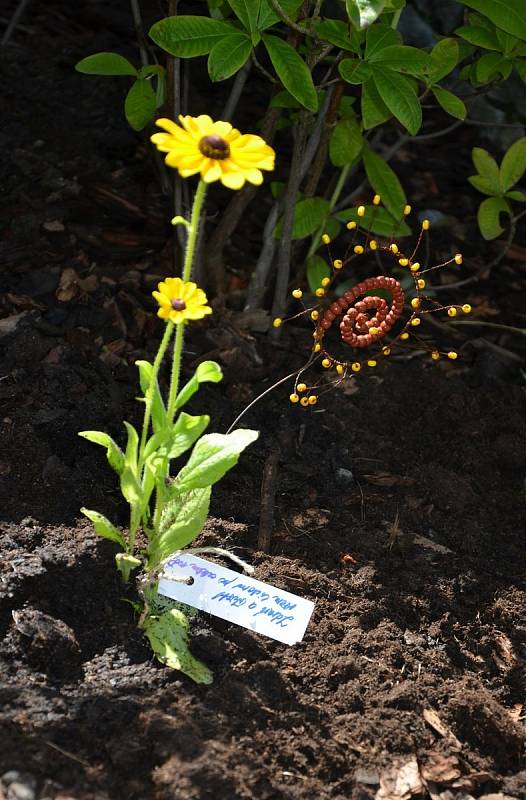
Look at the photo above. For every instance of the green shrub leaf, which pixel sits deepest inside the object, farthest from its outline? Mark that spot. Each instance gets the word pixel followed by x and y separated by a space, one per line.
pixel 508 15
pixel 400 58
pixel 337 33
pixel 490 66
pixel 346 143
pixel 385 182
pixel 317 270
pixel 309 214
pixel 376 220
pixel 489 216
pixel 452 104
pixel 363 13
pixel 267 15
pixel 247 12
pixel 400 98
pixel 374 110
pixel 140 104
pixel 480 37
pixel 228 56
pixel 292 71
pixel 213 455
pixel 513 164
pixel 106 64
pixel 443 59
pixel 190 35
pixel 354 71
pixel 379 36
pixel 103 526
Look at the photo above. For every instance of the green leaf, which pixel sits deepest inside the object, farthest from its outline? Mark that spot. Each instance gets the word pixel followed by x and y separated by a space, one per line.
pixel 506 41
pixel 490 66
pixel 267 15
pixel 486 165
pixel 184 433
pixel 513 164
pixel 488 216
pixel 508 15
pixel 206 372
pixel 338 34
pixel 106 64
pixel 114 454
pixel 292 71
pixel 228 56
pixel 190 35
pixel 485 185
pixel 480 37
pixel 354 71
pixel 213 455
pixel 443 59
pixel 379 36
pixel 284 99
pixel 317 270
pixel 140 104
pixel 168 637
pixel 182 520
pixel 247 12
pixel 400 98
pixel 519 197
pixel 376 220
pixel 346 143
pixel 363 13
pixel 374 110
pixel 452 104
pixel 125 563
pixel 103 526
pixel 158 409
pixel 130 488
pixel 385 182
pixel 520 66
pixel 309 214
pixel 398 57
pixel 130 456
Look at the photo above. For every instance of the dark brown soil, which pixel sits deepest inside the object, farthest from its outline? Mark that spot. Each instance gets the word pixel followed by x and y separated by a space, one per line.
pixel 399 510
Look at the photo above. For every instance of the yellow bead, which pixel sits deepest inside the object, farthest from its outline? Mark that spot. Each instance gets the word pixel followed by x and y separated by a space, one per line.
pixel 294 398
pixel 452 355
pixel 374 331
pixel 304 401
pixel 338 264
pixel 415 302
pixel 314 314
pixel 452 312
pixel 415 322
pixel 403 262
pixel 407 210
pixel 351 225
pixel 404 335
pixel 373 244
pixel 326 362
pixel 297 293
pixel 301 387
pixel 415 267
pixel 317 347
pixel 326 239
pixel 435 355
pixel 339 369
pixel 425 225
pixel 421 283
pixel 466 308
pixel 319 292
pixel 371 363
pixel 325 281
pixel 312 399
pixel 356 367
pixel 386 351
pixel 361 211
pixel 458 258
pixel 376 200
pixel 393 248
pixel 277 323
pixel 358 249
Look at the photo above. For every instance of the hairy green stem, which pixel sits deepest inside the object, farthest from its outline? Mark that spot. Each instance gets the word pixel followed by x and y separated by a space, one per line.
pixel 151 388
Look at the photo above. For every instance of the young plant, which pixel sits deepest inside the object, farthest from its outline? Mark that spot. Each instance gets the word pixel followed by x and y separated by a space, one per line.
pixel 498 182
pixel 172 510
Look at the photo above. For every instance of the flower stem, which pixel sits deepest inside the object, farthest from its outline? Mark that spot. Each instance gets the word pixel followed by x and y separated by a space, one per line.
pixel 193 230
pixel 151 388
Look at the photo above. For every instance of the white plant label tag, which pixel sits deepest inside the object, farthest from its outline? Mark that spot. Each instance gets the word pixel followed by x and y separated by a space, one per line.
pixel 237 598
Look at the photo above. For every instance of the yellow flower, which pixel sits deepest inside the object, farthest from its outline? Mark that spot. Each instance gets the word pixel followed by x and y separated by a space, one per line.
pixel 216 150
pixel 179 300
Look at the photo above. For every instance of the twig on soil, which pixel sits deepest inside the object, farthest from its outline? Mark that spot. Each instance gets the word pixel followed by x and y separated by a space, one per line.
pixel 268 497
pixel 66 753
pixel 13 22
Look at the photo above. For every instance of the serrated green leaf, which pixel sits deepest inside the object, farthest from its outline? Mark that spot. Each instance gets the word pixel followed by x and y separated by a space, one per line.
pixel 105 64
pixel 114 454
pixel 384 181
pixel 206 372
pixel 168 637
pixel 103 527
pixel 182 520
pixel 228 56
pixel 376 220
pixel 354 71
pixel 292 71
pixel 317 270
pixel 513 164
pixel 488 216
pixel 508 15
pixel 490 66
pixel 363 13
pixel 400 58
pixel 309 214
pixel 451 104
pixel 443 59
pixel 213 455
pixel 374 110
pixel 479 36
pixel 379 36
pixel 140 104
pixel 400 98
pixel 337 33
pixel 189 35
pixel 346 143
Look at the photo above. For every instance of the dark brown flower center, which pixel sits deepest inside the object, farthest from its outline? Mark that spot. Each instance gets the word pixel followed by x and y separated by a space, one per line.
pixel 178 304
pixel 214 147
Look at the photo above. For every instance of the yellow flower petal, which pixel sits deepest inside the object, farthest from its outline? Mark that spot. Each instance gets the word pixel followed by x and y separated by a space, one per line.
pixel 210 171
pixel 233 180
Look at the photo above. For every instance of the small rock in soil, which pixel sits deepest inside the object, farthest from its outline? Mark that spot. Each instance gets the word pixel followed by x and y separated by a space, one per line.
pixel 49 643
pixel 19 785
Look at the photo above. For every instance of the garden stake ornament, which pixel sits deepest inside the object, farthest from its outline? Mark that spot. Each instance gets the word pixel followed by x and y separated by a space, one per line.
pixel 171 511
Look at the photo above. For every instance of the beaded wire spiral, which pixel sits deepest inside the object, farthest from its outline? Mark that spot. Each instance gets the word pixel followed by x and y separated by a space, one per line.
pixel 370 314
